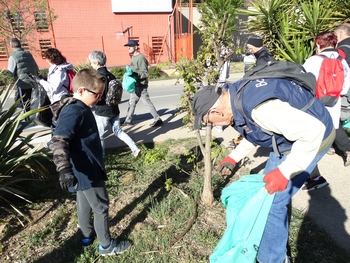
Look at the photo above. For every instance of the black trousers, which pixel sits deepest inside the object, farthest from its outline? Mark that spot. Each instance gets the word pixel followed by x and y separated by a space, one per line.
pixel 341 140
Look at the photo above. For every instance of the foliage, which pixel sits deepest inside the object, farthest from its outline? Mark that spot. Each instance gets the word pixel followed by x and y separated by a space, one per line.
pixel 149 215
pixel 155 155
pixel 289 27
pixel 17 18
pixel 20 161
pixel 154 72
pixel 118 72
pixel 5 78
pixel 82 65
pixel 216 30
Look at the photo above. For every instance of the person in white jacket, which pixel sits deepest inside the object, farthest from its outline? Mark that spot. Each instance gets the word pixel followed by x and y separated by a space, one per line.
pixel 325 44
pixel 57 83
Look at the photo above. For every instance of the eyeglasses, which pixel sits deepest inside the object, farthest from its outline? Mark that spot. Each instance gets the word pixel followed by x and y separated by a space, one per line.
pixel 97 95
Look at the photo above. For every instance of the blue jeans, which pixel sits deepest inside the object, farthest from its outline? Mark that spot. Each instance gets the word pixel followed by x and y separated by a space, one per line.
pixel 102 123
pixel 273 245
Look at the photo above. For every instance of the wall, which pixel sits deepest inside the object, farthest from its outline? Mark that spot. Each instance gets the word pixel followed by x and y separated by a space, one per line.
pixel 85 25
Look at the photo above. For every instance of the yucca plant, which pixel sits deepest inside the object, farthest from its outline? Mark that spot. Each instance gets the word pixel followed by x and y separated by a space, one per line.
pixel 20 161
pixel 289 27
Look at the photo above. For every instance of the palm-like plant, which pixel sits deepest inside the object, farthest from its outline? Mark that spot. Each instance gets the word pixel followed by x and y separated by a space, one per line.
pixel 20 161
pixel 290 26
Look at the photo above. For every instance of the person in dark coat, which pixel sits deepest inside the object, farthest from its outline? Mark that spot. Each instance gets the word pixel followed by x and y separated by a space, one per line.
pixel 256 48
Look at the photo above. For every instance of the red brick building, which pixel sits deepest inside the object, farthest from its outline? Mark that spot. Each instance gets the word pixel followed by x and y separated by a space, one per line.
pixel 85 25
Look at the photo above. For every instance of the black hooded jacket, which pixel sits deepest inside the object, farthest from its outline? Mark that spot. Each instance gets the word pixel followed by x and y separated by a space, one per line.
pixel 263 56
pixel 101 108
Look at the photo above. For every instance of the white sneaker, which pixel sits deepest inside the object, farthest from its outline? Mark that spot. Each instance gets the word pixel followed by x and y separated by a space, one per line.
pixel 136 153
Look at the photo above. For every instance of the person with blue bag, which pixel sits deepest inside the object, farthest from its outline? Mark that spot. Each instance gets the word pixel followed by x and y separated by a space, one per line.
pixel 276 113
pixel 139 66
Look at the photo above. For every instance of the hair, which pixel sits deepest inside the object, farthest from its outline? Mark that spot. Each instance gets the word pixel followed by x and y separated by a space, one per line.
pixel 326 39
pixel 55 56
pixel 88 78
pixel 345 28
pixel 98 57
pixel 14 42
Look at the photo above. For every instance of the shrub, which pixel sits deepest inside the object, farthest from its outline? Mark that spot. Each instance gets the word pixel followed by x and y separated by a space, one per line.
pixel 118 72
pixel 5 78
pixel 20 161
pixel 154 72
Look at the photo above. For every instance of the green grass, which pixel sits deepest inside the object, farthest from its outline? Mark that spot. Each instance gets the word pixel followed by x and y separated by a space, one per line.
pixel 164 226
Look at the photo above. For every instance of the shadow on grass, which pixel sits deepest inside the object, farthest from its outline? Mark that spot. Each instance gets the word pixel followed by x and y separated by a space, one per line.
pixel 321 239
pixel 156 190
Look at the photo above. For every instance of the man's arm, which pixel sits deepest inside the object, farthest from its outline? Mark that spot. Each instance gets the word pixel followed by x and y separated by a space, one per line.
pixel 61 156
pixel 304 130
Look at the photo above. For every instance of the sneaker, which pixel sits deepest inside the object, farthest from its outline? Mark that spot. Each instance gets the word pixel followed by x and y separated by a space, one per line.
pixel 331 151
pixel 86 242
pixel 116 247
pixel 156 123
pixel 347 159
pixel 127 123
pixel 313 184
pixel 136 153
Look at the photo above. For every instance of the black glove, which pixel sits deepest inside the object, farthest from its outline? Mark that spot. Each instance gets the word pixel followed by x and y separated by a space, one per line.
pixel 34 77
pixel 67 179
pixel 226 166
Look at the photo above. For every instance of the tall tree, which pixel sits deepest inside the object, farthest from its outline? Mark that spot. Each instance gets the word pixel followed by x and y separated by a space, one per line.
pixel 218 22
pixel 19 18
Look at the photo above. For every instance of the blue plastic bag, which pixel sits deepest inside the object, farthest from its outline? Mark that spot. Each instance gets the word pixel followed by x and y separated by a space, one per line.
pixel 247 207
pixel 128 82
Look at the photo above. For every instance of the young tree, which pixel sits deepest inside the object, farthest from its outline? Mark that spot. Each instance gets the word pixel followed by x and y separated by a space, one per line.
pixel 19 18
pixel 218 22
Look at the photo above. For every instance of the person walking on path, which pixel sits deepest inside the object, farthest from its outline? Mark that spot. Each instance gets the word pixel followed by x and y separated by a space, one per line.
pixel 302 138
pixel 139 65
pixel 255 47
pixel 57 83
pixel 20 64
pixel 325 45
pixel 77 154
pixel 105 114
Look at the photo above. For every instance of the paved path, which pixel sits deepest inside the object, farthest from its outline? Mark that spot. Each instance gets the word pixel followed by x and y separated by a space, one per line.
pixel 329 207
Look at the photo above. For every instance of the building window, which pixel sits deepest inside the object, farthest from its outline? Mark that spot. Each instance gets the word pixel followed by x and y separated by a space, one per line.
pixel 41 21
pixel 157 43
pixel 3 50
pixel 45 44
pixel 24 45
pixel 16 21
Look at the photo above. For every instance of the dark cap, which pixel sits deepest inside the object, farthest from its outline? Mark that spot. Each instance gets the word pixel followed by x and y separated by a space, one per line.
pixel 203 100
pixel 255 41
pixel 131 42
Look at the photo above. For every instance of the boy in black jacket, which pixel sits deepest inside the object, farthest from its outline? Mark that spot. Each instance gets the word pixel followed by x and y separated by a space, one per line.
pixel 77 154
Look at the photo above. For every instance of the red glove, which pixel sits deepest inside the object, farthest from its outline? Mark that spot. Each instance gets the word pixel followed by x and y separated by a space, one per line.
pixel 226 166
pixel 275 181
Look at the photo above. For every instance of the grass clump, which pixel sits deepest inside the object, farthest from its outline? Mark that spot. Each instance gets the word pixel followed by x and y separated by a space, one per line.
pixel 155 203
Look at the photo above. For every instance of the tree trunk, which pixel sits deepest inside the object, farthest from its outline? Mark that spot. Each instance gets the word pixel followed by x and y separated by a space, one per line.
pixel 207 194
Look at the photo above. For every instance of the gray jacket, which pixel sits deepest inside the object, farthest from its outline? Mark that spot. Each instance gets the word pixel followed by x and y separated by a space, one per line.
pixel 20 64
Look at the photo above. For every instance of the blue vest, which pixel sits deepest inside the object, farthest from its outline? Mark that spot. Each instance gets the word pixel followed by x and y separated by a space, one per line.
pixel 258 91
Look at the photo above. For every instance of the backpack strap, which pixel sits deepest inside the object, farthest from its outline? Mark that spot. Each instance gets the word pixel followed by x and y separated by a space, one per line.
pixel 342 52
